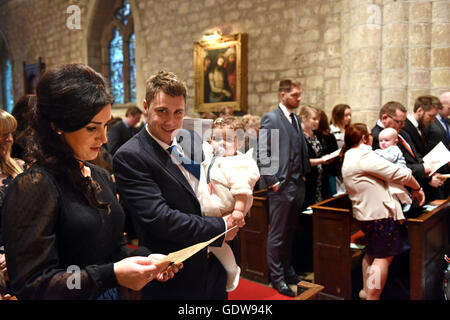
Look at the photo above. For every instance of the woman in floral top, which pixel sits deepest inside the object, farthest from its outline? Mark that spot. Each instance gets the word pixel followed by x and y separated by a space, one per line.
pixel 9 169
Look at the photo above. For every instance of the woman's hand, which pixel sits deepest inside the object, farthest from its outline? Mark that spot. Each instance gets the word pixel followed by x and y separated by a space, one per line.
pixel 3 268
pixel 136 272
pixel 419 195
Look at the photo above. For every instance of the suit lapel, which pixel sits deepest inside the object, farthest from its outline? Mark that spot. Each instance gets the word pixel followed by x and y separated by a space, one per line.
pixel 163 158
pixel 286 123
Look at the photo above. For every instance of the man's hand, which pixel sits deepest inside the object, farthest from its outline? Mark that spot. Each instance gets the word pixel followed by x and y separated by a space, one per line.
pixel 275 187
pixel 436 180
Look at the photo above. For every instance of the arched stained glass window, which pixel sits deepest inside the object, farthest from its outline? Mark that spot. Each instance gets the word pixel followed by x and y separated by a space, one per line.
pixel 116 61
pixel 132 66
pixel 123 12
pixel 121 59
pixel 8 86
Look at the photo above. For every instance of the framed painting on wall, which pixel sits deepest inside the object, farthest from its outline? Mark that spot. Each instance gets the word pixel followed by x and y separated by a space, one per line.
pixel 220 69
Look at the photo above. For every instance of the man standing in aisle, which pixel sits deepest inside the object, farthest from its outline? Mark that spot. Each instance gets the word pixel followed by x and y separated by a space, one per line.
pixel 283 161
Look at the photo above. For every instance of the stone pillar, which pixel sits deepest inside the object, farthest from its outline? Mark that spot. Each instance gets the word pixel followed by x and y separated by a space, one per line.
pixel 394 64
pixel 419 51
pixel 361 58
pixel 440 47
pixel 332 47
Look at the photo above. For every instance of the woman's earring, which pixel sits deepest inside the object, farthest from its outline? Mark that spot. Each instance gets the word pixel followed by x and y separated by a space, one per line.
pixel 59 132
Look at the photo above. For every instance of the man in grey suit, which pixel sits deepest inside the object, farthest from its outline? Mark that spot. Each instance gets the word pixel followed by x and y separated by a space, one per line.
pixel 283 161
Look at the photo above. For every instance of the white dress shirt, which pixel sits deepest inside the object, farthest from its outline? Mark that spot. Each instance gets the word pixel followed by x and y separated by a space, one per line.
pixel 191 179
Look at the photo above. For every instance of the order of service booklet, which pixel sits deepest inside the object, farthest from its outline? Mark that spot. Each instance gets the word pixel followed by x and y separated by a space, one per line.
pixel 437 157
pixel 183 254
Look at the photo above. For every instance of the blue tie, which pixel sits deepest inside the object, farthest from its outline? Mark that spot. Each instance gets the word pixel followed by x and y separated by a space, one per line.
pixel 294 123
pixel 446 128
pixel 190 165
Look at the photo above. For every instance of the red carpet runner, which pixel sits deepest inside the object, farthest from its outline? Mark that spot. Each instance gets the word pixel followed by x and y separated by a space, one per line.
pixel 249 290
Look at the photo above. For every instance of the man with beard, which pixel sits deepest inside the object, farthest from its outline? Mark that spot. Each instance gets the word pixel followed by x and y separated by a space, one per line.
pixel 283 163
pixel 424 113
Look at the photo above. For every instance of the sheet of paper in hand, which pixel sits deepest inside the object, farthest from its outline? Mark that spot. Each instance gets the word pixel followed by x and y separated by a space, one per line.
pixel 437 157
pixel 183 254
pixel 332 155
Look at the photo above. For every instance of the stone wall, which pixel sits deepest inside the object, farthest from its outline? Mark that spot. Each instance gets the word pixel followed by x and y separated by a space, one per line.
pixel 360 52
pixel 393 50
pixel 34 29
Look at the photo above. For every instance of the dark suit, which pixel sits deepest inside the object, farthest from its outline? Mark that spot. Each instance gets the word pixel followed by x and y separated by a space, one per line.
pixel 416 138
pixel 167 215
pixel 375 133
pixel 421 149
pixel 436 133
pixel 288 166
pixel 118 134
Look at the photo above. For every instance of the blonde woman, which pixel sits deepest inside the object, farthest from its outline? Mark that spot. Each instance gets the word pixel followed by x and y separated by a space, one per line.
pixel 9 169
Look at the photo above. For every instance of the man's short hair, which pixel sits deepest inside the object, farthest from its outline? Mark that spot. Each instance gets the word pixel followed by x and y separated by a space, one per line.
pixel 166 82
pixel 427 103
pixel 391 107
pixel 287 84
pixel 133 111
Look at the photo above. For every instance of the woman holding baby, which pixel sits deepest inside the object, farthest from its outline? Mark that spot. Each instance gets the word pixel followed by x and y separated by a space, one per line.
pixel 366 178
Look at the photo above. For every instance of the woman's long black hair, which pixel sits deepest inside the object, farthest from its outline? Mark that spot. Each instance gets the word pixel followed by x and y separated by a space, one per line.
pixel 68 97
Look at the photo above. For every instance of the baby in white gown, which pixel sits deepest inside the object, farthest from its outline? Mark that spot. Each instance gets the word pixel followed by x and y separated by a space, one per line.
pixel 227 179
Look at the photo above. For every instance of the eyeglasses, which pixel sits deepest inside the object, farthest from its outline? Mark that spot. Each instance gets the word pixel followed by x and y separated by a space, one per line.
pixel 399 122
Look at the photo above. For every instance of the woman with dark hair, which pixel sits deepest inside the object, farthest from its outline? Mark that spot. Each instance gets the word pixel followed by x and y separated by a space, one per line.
pixel 329 145
pixel 341 117
pixel 366 177
pixel 70 244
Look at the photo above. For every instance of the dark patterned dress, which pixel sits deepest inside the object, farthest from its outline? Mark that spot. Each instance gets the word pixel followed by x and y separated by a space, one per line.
pixel 317 148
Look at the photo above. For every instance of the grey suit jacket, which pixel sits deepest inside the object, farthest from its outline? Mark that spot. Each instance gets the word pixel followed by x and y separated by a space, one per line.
pixel 282 152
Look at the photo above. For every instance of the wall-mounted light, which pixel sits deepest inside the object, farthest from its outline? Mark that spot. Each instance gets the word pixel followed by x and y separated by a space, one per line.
pixel 212 35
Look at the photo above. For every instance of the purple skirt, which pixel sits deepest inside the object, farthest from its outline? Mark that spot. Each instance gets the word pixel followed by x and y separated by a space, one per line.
pixel 385 237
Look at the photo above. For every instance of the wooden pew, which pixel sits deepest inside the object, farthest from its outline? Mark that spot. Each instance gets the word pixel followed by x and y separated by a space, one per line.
pixel 254 240
pixel 333 225
pixel 428 237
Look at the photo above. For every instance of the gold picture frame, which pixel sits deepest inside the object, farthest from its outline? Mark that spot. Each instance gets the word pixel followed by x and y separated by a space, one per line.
pixel 220 81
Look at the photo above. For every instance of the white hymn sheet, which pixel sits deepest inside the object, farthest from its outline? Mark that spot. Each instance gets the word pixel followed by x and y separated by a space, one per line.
pixel 183 254
pixel 437 157
pixel 332 155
